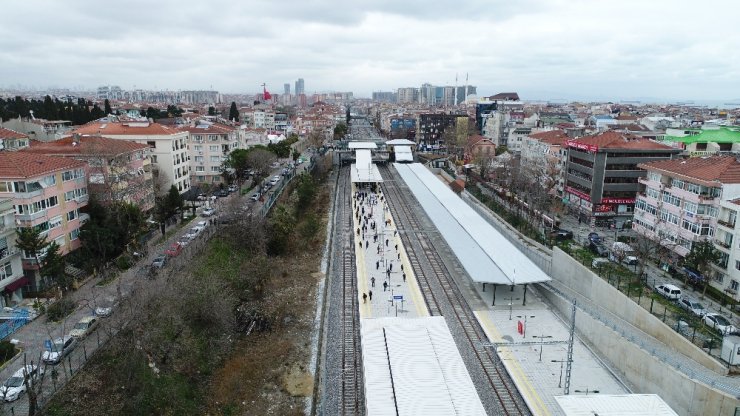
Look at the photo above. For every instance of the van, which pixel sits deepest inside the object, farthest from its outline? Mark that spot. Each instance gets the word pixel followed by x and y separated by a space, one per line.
pixel 668 291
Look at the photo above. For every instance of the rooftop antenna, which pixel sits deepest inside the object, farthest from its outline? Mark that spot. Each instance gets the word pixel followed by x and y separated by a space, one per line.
pixel 466 89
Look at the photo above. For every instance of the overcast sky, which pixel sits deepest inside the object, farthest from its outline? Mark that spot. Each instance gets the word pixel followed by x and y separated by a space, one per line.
pixel 543 49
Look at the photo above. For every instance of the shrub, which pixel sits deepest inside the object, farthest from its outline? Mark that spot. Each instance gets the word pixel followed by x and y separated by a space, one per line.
pixel 7 351
pixel 60 309
pixel 123 262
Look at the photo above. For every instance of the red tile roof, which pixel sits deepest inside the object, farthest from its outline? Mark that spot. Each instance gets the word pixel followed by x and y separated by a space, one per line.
pixel 87 145
pixel 616 140
pixel 725 169
pixel 24 165
pixel 554 137
pixel 133 128
pixel 11 134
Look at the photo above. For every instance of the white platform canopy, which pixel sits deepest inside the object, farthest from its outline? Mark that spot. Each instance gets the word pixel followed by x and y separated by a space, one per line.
pixel 614 405
pixel 402 142
pixel 413 367
pixel 362 145
pixel 486 255
pixel 364 170
pixel 403 154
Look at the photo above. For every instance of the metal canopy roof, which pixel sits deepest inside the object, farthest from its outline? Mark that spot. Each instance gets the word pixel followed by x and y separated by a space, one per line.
pixel 413 367
pixel 404 154
pixel 400 142
pixel 485 253
pixel 362 145
pixel 614 405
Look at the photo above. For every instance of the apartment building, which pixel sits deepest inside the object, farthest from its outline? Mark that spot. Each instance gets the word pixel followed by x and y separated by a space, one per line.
pixel 118 170
pixel 544 153
pixel 167 145
pixel 47 193
pixel 431 129
pixel 11 266
pixel 12 140
pixel 209 145
pixel 601 175
pixel 684 201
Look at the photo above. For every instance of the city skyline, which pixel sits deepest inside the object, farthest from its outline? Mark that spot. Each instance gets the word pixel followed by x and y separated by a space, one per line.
pixel 578 50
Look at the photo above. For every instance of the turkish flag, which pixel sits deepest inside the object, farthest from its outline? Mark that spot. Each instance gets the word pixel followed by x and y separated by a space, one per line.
pixel 266 94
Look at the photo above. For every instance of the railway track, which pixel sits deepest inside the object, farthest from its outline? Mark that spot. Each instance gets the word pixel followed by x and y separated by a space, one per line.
pixel 421 251
pixel 351 395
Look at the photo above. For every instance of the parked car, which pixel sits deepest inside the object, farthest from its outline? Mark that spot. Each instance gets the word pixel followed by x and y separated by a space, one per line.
pixel 104 311
pixel 561 235
pixel 174 250
pixel 599 249
pixel 183 241
pixel 599 262
pixel 202 224
pixel 208 212
pixel 622 251
pixel 15 385
pixel 694 277
pixel 275 179
pixel 202 197
pixel 222 193
pixel 668 291
pixel 59 348
pixel 233 188
pixel 255 197
pixel 692 306
pixel 719 323
pixel 193 232
pixel 84 326
pixel 594 238
pixel 159 261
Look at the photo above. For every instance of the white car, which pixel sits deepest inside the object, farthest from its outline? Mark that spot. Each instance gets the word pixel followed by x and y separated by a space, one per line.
pixel 719 323
pixel 208 212
pixel 15 385
pixel 193 232
pixel 59 348
pixel 692 306
pixel 84 327
pixel 255 197
pixel 183 241
pixel 103 311
pixel 202 224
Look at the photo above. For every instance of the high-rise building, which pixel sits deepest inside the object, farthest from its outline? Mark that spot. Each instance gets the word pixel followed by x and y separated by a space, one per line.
pixel 299 87
pixel 286 88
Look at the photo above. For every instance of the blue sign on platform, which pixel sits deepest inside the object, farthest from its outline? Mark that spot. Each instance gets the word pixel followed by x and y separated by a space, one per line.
pixel 398 297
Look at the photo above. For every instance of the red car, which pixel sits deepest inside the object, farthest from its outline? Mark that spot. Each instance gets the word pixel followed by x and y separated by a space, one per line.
pixel 174 250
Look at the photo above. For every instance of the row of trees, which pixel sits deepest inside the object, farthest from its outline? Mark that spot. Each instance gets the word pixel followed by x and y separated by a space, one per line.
pixel 78 112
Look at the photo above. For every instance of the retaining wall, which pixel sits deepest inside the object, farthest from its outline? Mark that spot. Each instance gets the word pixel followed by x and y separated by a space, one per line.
pixel 645 371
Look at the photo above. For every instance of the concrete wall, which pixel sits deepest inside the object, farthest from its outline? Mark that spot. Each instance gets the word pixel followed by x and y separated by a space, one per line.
pixel 579 278
pixel 646 372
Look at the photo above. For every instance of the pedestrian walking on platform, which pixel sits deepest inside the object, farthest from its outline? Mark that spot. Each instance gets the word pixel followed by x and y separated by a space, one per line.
pixel 385 286
pixel 390 267
pixel 404 277
pixel 364 297
pixel 399 256
pixel 367 244
pixel 377 265
pixel 396 247
pixel 360 244
pixel 372 282
pixel 386 242
pixel 370 295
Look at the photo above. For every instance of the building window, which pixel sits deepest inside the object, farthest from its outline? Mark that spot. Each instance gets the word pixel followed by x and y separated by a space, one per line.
pixel 154 158
pixel 71 215
pixel 55 222
pixel 200 168
pixel 671 199
pixel 213 148
pixel 734 285
pixel 215 159
pixel 198 159
pixel 198 147
pixel 73 174
pixel 6 271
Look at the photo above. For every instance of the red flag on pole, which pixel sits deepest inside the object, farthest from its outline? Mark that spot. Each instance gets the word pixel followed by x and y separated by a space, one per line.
pixel 266 93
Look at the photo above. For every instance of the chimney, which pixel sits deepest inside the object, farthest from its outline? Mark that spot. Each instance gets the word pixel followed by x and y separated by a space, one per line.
pixel 75 139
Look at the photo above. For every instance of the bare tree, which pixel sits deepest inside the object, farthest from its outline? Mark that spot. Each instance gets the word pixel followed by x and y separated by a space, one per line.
pixel 260 161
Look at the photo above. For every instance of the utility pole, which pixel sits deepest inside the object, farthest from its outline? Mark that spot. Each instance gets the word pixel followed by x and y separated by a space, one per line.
pixel 569 359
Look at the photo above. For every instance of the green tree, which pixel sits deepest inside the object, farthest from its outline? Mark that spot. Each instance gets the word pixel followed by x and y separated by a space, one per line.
pixel 282 224
pixel 52 269
pixel 30 240
pixel 233 112
pixel 238 162
pixel 211 111
pixel 96 113
pixel 281 149
pixel 701 256
pixel 340 130
pixel 175 202
pixel 153 113
pixel 296 154
pixel 306 190
pixel 107 110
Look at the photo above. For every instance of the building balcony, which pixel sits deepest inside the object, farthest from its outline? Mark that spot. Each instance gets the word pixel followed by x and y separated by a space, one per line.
pixel 8 252
pixel 30 217
pixel 724 244
pixel 726 224
pixel 29 195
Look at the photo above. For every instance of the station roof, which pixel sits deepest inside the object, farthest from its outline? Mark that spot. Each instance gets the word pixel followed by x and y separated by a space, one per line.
pixel 487 255
pixel 403 154
pixel 413 367
pixel 362 145
pixel 364 170
pixel 396 142
pixel 614 405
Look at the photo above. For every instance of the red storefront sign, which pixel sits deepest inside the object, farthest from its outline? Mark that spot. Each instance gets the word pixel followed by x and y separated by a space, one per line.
pixel 578 193
pixel 617 200
pixel 582 146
